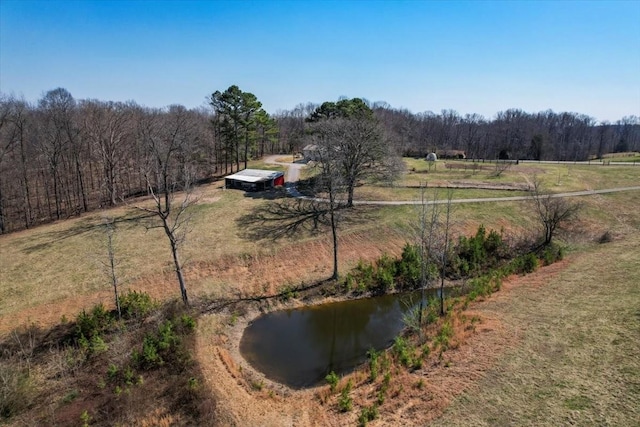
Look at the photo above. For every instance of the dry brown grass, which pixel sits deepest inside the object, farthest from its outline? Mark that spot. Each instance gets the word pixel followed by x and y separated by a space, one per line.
pixel 576 361
pixel 530 354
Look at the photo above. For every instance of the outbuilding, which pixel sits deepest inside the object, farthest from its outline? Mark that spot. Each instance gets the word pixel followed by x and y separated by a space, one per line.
pixel 310 152
pixel 254 179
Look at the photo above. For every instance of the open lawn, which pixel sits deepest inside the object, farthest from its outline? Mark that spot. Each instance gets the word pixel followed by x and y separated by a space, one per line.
pixel 556 178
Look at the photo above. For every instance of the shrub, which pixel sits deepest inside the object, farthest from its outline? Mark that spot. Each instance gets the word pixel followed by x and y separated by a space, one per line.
pixel 93 323
pixel 289 292
pixel 149 358
pixel 345 403
pixel 527 263
pixel 403 351
pixel 188 323
pixel 368 414
pixel 97 345
pixel 136 304
pixel 408 267
pixel 384 281
pixel 332 379
pixel 112 372
pixel 385 273
pixel 373 364
pixel 433 310
pixel 473 255
pixel 552 253
pixel 361 278
pixel 16 392
pixel 444 335
pixel 167 337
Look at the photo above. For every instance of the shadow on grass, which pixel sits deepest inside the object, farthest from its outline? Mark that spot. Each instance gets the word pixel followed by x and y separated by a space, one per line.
pixel 217 305
pixel 286 218
pixel 81 227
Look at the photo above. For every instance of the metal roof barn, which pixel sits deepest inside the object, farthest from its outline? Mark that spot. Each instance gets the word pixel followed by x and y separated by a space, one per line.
pixel 254 179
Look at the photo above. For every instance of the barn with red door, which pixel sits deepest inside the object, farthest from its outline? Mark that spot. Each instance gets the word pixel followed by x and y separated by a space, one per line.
pixel 254 179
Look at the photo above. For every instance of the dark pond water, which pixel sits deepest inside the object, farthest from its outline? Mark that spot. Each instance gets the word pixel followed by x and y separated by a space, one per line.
pixel 299 347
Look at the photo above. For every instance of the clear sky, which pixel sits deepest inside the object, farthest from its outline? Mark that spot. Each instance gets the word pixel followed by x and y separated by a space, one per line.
pixel 473 57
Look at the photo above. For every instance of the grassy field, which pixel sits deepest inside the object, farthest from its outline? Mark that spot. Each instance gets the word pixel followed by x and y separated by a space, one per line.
pixel 577 332
pixel 556 178
pixel 61 260
pixel 576 361
pixel 623 157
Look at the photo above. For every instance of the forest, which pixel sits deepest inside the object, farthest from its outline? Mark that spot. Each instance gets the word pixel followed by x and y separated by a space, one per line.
pixel 63 156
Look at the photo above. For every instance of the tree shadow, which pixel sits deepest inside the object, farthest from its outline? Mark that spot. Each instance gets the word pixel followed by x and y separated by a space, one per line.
pixel 270 194
pixel 81 227
pixel 290 189
pixel 290 217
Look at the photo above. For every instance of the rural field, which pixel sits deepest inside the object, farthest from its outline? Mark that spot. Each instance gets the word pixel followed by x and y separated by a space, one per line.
pixel 555 347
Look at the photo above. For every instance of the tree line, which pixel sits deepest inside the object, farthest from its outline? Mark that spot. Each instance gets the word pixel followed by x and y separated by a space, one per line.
pixel 60 156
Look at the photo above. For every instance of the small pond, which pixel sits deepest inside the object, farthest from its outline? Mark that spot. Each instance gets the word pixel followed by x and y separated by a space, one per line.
pixel 299 347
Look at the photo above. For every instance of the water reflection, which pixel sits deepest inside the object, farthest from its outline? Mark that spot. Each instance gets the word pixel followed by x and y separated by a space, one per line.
pixel 298 347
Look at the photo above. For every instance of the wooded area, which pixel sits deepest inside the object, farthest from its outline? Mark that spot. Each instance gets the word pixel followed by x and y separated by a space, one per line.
pixel 62 156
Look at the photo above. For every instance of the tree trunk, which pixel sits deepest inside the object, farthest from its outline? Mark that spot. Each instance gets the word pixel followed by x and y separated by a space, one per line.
pixel 334 233
pixel 178 267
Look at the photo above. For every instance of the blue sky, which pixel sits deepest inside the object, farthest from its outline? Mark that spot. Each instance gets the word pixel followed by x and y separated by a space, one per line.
pixel 473 57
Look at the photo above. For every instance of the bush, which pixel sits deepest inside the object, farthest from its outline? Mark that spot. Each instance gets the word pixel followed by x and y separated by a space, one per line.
pixel 332 379
pixel 373 364
pixel 97 345
pixel 404 352
pixel 526 264
pixel 16 392
pixel 368 414
pixel 188 323
pixel 408 267
pixel 135 305
pixel 473 255
pixel 345 403
pixel 361 278
pixel 93 323
pixel 150 357
pixel 385 274
pixel 552 253
pixel 444 335
pixel 157 348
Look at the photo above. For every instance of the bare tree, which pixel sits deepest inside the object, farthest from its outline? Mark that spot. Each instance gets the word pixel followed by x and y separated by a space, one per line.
pixel 432 236
pixel 8 141
pixel 553 212
pixel 425 233
pixel 501 167
pixel 328 136
pixel 444 250
pixel 167 138
pixel 107 126
pixel 110 265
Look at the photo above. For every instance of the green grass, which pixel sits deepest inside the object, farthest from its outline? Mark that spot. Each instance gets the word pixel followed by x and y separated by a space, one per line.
pixel 555 177
pixel 622 157
pixel 414 194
